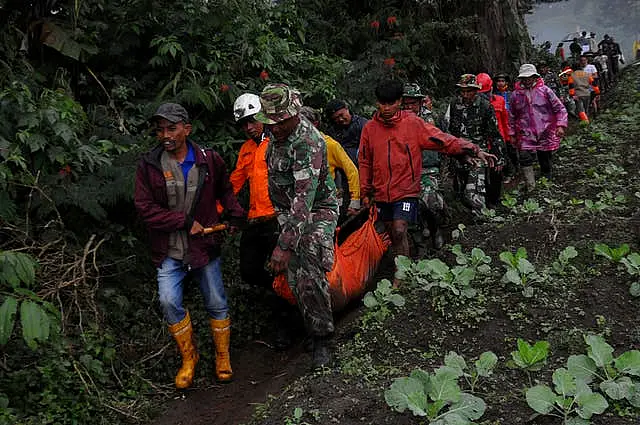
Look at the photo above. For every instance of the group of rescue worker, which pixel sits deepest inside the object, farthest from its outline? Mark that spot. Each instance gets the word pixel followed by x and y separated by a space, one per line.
pixel 592 69
pixel 391 162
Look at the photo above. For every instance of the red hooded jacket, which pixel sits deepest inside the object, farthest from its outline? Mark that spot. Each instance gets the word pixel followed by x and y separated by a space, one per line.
pixel 152 204
pixel 391 155
pixel 502 115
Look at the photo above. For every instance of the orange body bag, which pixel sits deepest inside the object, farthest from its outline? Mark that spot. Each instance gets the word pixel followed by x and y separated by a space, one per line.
pixel 355 263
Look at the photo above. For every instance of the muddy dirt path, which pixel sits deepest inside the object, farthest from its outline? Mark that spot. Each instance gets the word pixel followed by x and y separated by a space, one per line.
pixel 259 371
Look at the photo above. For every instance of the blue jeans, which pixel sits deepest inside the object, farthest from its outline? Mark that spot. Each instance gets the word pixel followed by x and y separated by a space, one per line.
pixel 171 276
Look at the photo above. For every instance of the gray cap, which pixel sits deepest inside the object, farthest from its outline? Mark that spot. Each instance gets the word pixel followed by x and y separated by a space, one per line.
pixel 171 112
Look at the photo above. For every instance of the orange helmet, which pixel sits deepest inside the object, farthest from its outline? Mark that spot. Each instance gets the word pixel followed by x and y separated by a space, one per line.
pixel 485 81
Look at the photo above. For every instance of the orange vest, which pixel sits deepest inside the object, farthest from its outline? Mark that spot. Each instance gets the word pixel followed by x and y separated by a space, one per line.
pixel 252 165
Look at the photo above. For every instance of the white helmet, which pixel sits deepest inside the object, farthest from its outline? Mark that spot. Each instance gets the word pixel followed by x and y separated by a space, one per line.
pixel 246 105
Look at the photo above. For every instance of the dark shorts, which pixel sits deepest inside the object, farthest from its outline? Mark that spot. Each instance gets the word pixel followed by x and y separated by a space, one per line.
pixel 404 209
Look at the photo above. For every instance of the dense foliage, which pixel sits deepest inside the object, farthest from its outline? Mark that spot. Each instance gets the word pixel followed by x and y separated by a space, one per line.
pixel 78 80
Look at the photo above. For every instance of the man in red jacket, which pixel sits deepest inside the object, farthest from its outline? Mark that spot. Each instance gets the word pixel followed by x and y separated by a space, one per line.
pixel 494 189
pixel 498 103
pixel 177 186
pixel 391 161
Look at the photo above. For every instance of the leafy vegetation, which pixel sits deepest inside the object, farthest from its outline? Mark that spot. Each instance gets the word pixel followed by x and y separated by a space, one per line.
pixel 482 368
pixel 531 207
pixel 530 357
pixel 562 265
pixel 438 396
pixel 583 387
pixel 570 399
pixel 632 265
pixel 17 277
pixel 381 301
pixel 519 270
pixel 434 273
pixel 296 418
pixel 449 289
pixel 622 256
pixel 477 260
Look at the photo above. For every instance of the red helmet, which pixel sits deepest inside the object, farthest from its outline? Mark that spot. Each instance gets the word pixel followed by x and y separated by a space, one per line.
pixel 485 81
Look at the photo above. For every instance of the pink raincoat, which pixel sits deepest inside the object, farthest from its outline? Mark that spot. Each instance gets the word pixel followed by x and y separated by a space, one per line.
pixel 534 116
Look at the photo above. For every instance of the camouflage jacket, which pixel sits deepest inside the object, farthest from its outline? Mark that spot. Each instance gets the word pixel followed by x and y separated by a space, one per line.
pixel 476 122
pixel 430 159
pixel 300 186
pixel 552 81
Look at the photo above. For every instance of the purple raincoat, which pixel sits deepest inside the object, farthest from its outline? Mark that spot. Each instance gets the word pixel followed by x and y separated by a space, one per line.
pixel 534 116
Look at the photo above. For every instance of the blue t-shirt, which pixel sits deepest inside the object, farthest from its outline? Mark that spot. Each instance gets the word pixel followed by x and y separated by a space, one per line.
pixel 188 162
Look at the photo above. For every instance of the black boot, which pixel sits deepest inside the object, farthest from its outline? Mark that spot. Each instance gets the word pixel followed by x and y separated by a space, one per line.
pixel 321 352
pixel 282 340
pixel 285 317
pixel 437 239
pixel 434 222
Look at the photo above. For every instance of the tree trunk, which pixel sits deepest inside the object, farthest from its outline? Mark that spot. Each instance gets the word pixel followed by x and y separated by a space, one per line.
pixel 505 39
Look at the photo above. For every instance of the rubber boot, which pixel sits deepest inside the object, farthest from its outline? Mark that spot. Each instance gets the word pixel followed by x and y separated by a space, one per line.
pixel 221 331
pixel 583 117
pixel 529 178
pixel 321 352
pixel 437 239
pixel 434 222
pixel 183 334
pixel 283 340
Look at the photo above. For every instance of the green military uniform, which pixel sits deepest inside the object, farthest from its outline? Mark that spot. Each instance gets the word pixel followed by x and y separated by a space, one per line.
pixel 304 197
pixel 430 177
pixel 430 194
pixel 475 122
pixel 552 81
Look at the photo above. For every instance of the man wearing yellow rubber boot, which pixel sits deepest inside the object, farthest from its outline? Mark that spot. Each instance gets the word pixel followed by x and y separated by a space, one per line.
pixel 177 186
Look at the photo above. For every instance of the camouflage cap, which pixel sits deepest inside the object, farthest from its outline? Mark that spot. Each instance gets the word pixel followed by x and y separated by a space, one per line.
pixel 171 112
pixel 279 102
pixel 412 90
pixel 468 81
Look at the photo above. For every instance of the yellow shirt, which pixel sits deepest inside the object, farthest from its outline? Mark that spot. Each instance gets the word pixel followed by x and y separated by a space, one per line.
pixel 338 158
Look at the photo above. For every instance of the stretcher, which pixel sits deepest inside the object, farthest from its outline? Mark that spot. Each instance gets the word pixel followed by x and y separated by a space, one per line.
pixel 359 247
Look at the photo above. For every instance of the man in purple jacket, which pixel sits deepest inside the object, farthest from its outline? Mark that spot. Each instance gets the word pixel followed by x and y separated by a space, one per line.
pixel 537 123
pixel 177 186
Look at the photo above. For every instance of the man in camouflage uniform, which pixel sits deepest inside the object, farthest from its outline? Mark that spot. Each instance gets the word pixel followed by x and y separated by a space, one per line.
pixel 431 197
pixel 550 78
pixel 303 194
pixel 472 117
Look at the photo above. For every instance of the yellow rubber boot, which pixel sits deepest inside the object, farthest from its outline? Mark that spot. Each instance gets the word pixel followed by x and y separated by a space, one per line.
pixel 221 331
pixel 183 333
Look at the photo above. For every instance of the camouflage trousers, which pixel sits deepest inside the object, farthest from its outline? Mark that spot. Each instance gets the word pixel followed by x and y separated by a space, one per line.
pixel 430 194
pixel 307 274
pixel 469 183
